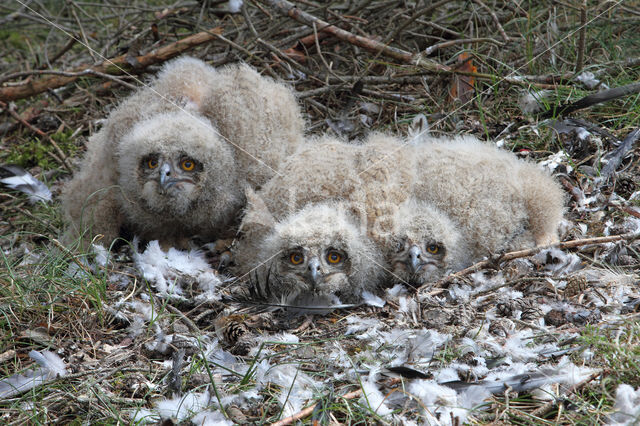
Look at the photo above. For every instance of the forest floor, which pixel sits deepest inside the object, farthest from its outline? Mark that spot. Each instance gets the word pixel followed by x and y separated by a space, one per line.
pixel 544 337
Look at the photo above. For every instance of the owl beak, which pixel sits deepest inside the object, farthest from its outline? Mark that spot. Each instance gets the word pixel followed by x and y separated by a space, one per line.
pixel 165 181
pixel 415 261
pixel 313 271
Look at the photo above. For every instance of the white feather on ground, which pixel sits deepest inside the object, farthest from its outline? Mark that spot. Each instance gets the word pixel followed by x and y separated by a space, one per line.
pixel 15 177
pixel 166 270
pixel 191 405
pixel 627 406
pixel 50 367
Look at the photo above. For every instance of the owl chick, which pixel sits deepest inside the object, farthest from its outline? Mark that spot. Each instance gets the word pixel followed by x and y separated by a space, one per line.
pixel 106 195
pixel 319 250
pixel 498 201
pixel 177 178
pixel 424 244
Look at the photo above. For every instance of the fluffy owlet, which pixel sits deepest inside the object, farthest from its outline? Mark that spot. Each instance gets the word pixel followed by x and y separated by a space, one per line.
pixel 496 201
pixel 172 160
pixel 320 250
pixel 424 245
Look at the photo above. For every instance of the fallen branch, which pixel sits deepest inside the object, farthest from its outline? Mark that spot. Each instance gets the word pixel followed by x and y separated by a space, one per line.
pixel 115 66
pixel 289 9
pixel 524 253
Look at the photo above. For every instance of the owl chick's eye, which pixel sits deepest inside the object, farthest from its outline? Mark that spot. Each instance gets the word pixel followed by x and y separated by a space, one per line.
pixel 433 248
pixel 400 245
pixel 187 164
pixel 334 257
pixel 296 258
pixel 152 163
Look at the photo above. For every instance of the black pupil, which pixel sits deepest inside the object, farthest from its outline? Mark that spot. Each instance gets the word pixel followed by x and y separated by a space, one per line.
pixel 187 164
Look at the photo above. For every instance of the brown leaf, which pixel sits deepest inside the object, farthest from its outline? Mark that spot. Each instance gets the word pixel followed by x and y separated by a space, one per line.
pixel 462 86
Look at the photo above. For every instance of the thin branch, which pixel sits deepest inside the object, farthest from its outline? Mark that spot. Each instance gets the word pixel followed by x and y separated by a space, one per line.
pixel 495 20
pixel 582 36
pixel 289 9
pixel 115 66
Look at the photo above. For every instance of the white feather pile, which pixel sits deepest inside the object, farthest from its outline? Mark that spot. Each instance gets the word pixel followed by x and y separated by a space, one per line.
pixel 296 386
pixel 442 403
pixel 50 367
pixel 626 407
pixel 181 408
pixel 23 181
pixel 166 269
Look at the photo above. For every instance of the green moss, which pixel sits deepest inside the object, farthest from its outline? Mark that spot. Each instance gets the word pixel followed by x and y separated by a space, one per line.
pixel 37 153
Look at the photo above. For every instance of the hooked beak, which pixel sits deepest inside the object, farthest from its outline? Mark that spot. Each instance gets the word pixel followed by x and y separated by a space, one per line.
pixel 313 271
pixel 165 181
pixel 415 262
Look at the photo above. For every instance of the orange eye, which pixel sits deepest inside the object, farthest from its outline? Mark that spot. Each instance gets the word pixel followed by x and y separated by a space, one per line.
pixel 334 257
pixel 296 258
pixel 152 163
pixel 187 165
pixel 433 248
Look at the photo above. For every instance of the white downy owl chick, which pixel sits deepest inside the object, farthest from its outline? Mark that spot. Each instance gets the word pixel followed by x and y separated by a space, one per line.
pixel 177 178
pixel 320 250
pixel 498 201
pixel 424 245
pixel 93 199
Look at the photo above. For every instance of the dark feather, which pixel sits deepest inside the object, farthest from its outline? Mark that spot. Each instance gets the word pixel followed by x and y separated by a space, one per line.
pixel 409 373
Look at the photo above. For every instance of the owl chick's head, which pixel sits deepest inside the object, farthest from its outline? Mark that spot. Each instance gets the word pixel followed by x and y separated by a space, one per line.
pixel 321 250
pixel 174 166
pixel 424 245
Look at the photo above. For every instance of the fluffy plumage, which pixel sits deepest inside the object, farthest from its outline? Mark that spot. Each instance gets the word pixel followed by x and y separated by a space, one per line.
pixel 465 191
pixel 320 250
pixel 366 176
pixel 171 120
pixel 424 244
pixel 498 201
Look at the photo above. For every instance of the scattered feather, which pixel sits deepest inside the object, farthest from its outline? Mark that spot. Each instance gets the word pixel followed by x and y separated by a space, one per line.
pixel 532 102
pixel 168 270
pixel 626 407
pixel 418 129
pixel 371 299
pixel 589 80
pixel 50 367
pixel 235 6
pixel 15 177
